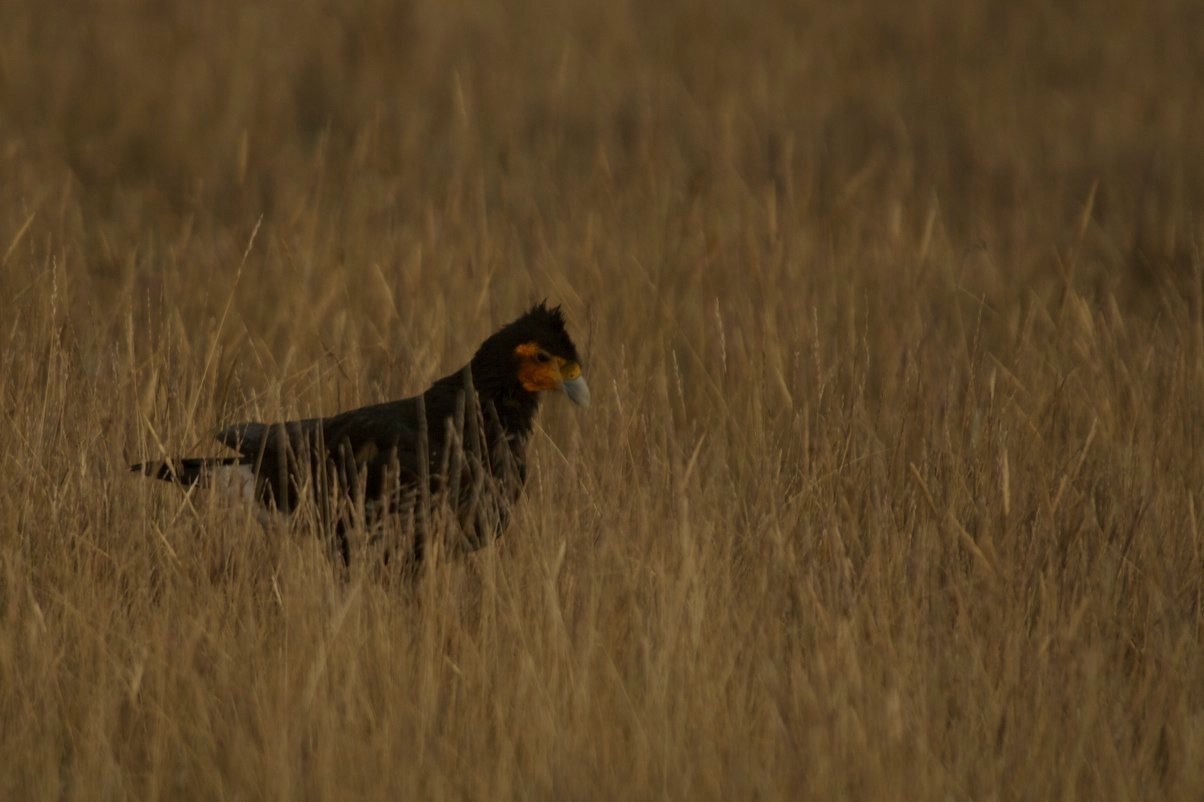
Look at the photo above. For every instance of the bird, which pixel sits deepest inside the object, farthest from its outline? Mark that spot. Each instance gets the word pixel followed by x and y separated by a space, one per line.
pixel 451 460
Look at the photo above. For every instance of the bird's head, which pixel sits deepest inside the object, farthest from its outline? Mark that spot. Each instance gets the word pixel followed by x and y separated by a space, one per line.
pixel 539 354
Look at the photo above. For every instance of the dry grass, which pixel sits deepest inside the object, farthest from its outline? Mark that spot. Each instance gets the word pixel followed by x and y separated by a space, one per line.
pixel 893 480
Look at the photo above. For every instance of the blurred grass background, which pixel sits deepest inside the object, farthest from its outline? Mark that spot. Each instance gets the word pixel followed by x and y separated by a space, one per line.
pixel 894 317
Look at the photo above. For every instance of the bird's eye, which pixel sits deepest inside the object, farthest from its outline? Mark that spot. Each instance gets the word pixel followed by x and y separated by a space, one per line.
pixel 543 356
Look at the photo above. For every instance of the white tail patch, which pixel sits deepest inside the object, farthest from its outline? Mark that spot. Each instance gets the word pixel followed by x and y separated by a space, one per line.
pixel 236 484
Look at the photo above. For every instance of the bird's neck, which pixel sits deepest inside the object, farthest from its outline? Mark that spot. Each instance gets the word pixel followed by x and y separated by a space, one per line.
pixel 514 407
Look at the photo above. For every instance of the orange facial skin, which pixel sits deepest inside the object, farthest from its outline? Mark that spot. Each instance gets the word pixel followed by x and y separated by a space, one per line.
pixel 539 371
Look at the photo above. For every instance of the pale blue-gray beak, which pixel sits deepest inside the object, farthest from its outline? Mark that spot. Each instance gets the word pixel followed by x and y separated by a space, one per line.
pixel 577 391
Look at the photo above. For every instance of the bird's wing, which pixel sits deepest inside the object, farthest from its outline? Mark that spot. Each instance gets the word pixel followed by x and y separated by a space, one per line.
pixel 251 439
pixel 378 439
pixel 379 445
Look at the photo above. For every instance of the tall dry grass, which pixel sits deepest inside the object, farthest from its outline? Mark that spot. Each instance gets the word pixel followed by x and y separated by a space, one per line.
pixel 894 317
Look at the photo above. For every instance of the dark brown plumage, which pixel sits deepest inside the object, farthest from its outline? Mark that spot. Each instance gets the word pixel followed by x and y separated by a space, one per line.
pixel 366 466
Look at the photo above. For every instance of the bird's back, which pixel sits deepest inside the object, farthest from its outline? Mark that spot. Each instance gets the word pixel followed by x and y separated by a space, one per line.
pixel 385 455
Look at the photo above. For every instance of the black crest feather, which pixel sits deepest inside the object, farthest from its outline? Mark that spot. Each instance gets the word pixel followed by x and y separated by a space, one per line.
pixel 542 324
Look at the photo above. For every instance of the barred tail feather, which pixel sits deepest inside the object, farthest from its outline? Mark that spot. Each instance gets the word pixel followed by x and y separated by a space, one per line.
pixel 187 471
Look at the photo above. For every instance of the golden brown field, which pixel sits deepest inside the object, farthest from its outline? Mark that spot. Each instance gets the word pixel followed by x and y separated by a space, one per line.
pixel 893 313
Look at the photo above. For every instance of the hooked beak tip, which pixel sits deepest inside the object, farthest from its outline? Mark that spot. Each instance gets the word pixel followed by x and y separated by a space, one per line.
pixel 577 391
